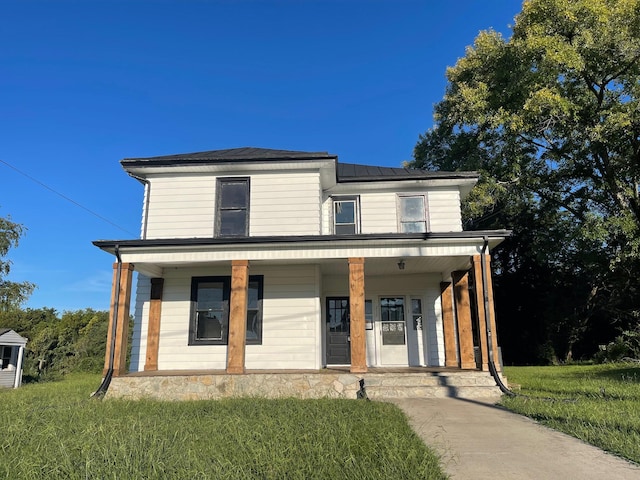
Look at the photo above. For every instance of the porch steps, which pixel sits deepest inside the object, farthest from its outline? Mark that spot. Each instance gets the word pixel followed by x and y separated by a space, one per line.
pixel 460 384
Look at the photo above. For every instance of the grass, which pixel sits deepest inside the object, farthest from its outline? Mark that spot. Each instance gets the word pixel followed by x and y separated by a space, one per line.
pixel 599 404
pixel 54 430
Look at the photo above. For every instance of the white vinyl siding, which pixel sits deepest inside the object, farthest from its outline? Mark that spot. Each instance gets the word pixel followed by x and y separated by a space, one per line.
pixel 291 314
pixel 444 210
pixel 7 378
pixel 379 211
pixel 285 204
pixel 140 324
pixel 282 203
pixel 181 206
pixel 174 352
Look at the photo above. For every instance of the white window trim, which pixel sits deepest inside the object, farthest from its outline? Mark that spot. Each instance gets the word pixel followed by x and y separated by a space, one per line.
pixel 342 198
pixel 425 199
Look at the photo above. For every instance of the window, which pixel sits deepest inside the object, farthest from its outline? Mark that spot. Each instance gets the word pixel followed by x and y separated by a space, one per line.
pixel 392 320
pixel 416 313
pixel 412 213
pixel 368 314
pixel 5 357
pixel 345 215
pixel 232 211
pixel 210 312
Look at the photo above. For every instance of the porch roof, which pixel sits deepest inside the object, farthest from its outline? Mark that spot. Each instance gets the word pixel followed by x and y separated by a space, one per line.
pixel 433 252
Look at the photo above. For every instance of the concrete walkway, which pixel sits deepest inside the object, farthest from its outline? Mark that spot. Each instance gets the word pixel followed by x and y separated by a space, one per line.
pixel 478 440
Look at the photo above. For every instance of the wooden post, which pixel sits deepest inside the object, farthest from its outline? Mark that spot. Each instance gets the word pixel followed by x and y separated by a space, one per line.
pixel 122 322
pixel 492 314
pixel 153 330
pixel 449 325
pixel 463 314
pixel 482 324
pixel 356 309
pixel 238 316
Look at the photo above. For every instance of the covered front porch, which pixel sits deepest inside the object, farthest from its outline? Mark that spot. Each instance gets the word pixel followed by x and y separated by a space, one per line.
pixel 398 302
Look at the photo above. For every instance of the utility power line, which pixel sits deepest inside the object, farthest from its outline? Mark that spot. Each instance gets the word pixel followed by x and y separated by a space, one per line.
pixel 70 200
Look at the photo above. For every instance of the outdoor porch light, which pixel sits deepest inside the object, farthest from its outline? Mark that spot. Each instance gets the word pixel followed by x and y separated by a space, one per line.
pixel 401 264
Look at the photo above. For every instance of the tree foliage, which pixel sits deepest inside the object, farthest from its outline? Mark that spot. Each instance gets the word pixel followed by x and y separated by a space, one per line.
pixel 12 294
pixel 60 344
pixel 551 119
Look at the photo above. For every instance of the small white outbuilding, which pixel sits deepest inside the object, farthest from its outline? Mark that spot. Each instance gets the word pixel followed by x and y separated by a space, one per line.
pixel 11 356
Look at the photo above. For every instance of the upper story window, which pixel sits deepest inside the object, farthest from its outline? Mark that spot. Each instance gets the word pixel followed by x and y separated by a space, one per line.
pixel 232 207
pixel 412 213
pixel 345 215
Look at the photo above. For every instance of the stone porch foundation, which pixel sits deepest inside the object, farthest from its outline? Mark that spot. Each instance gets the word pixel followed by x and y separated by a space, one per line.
pixel 329 384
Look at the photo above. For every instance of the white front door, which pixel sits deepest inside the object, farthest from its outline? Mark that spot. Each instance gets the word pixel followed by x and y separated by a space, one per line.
pixel 392 331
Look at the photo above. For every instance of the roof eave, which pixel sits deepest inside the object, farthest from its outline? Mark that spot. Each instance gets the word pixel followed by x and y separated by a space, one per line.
pixel 110 245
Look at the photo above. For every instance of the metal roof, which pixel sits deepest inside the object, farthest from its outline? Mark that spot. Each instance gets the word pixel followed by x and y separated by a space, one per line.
pixel 345 172
pixel 228 155
pixel 351 172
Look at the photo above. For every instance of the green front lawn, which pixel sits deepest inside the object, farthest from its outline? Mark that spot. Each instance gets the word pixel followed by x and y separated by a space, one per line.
pixel 599 404
pixel 54 430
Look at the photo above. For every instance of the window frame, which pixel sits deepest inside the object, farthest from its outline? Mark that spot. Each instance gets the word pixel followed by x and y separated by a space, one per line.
pixel 226 298
pixel 356 213
pixel 4 356
pixel 220 181
pixel 396 330
pixel 425 220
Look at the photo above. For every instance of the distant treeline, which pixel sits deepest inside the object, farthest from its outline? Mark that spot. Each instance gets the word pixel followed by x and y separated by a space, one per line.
pixel 59 344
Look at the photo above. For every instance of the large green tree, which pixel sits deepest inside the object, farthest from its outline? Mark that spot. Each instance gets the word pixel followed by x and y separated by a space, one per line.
pixel 551 119
pixel 12 294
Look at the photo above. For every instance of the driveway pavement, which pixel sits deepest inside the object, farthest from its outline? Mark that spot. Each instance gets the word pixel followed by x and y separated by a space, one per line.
pixel 479 440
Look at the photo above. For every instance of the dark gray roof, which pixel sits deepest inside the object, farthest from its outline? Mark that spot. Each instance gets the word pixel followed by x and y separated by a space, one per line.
pixel 227 155
pixel 351 172
pixel 345 172
pixel 4 330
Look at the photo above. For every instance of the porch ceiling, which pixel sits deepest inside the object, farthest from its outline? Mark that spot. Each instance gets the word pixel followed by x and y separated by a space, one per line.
pixel 372 266
pixel 389 266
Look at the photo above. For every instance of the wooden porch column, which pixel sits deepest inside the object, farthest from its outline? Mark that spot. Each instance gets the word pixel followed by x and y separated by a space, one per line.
pixel 122 322
pixel 482 324
pixel 492 314
pixel 463 314
pixel 449 325
pixel 356 308
pixel 238 316
pixel 153 330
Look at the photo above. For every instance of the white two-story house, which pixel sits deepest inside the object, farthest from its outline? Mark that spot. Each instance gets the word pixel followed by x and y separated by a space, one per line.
pixel 254 260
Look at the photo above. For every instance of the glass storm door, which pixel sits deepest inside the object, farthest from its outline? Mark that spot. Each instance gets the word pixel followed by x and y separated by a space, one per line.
pixel 393 345
pixel 338 331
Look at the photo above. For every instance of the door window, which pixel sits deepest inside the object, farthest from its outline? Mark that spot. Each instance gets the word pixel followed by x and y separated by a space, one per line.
pixel 338 315
pixel 392 320
pixel 416 313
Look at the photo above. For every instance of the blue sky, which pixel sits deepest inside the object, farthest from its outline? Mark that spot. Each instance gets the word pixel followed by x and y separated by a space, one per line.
pixel 85 84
